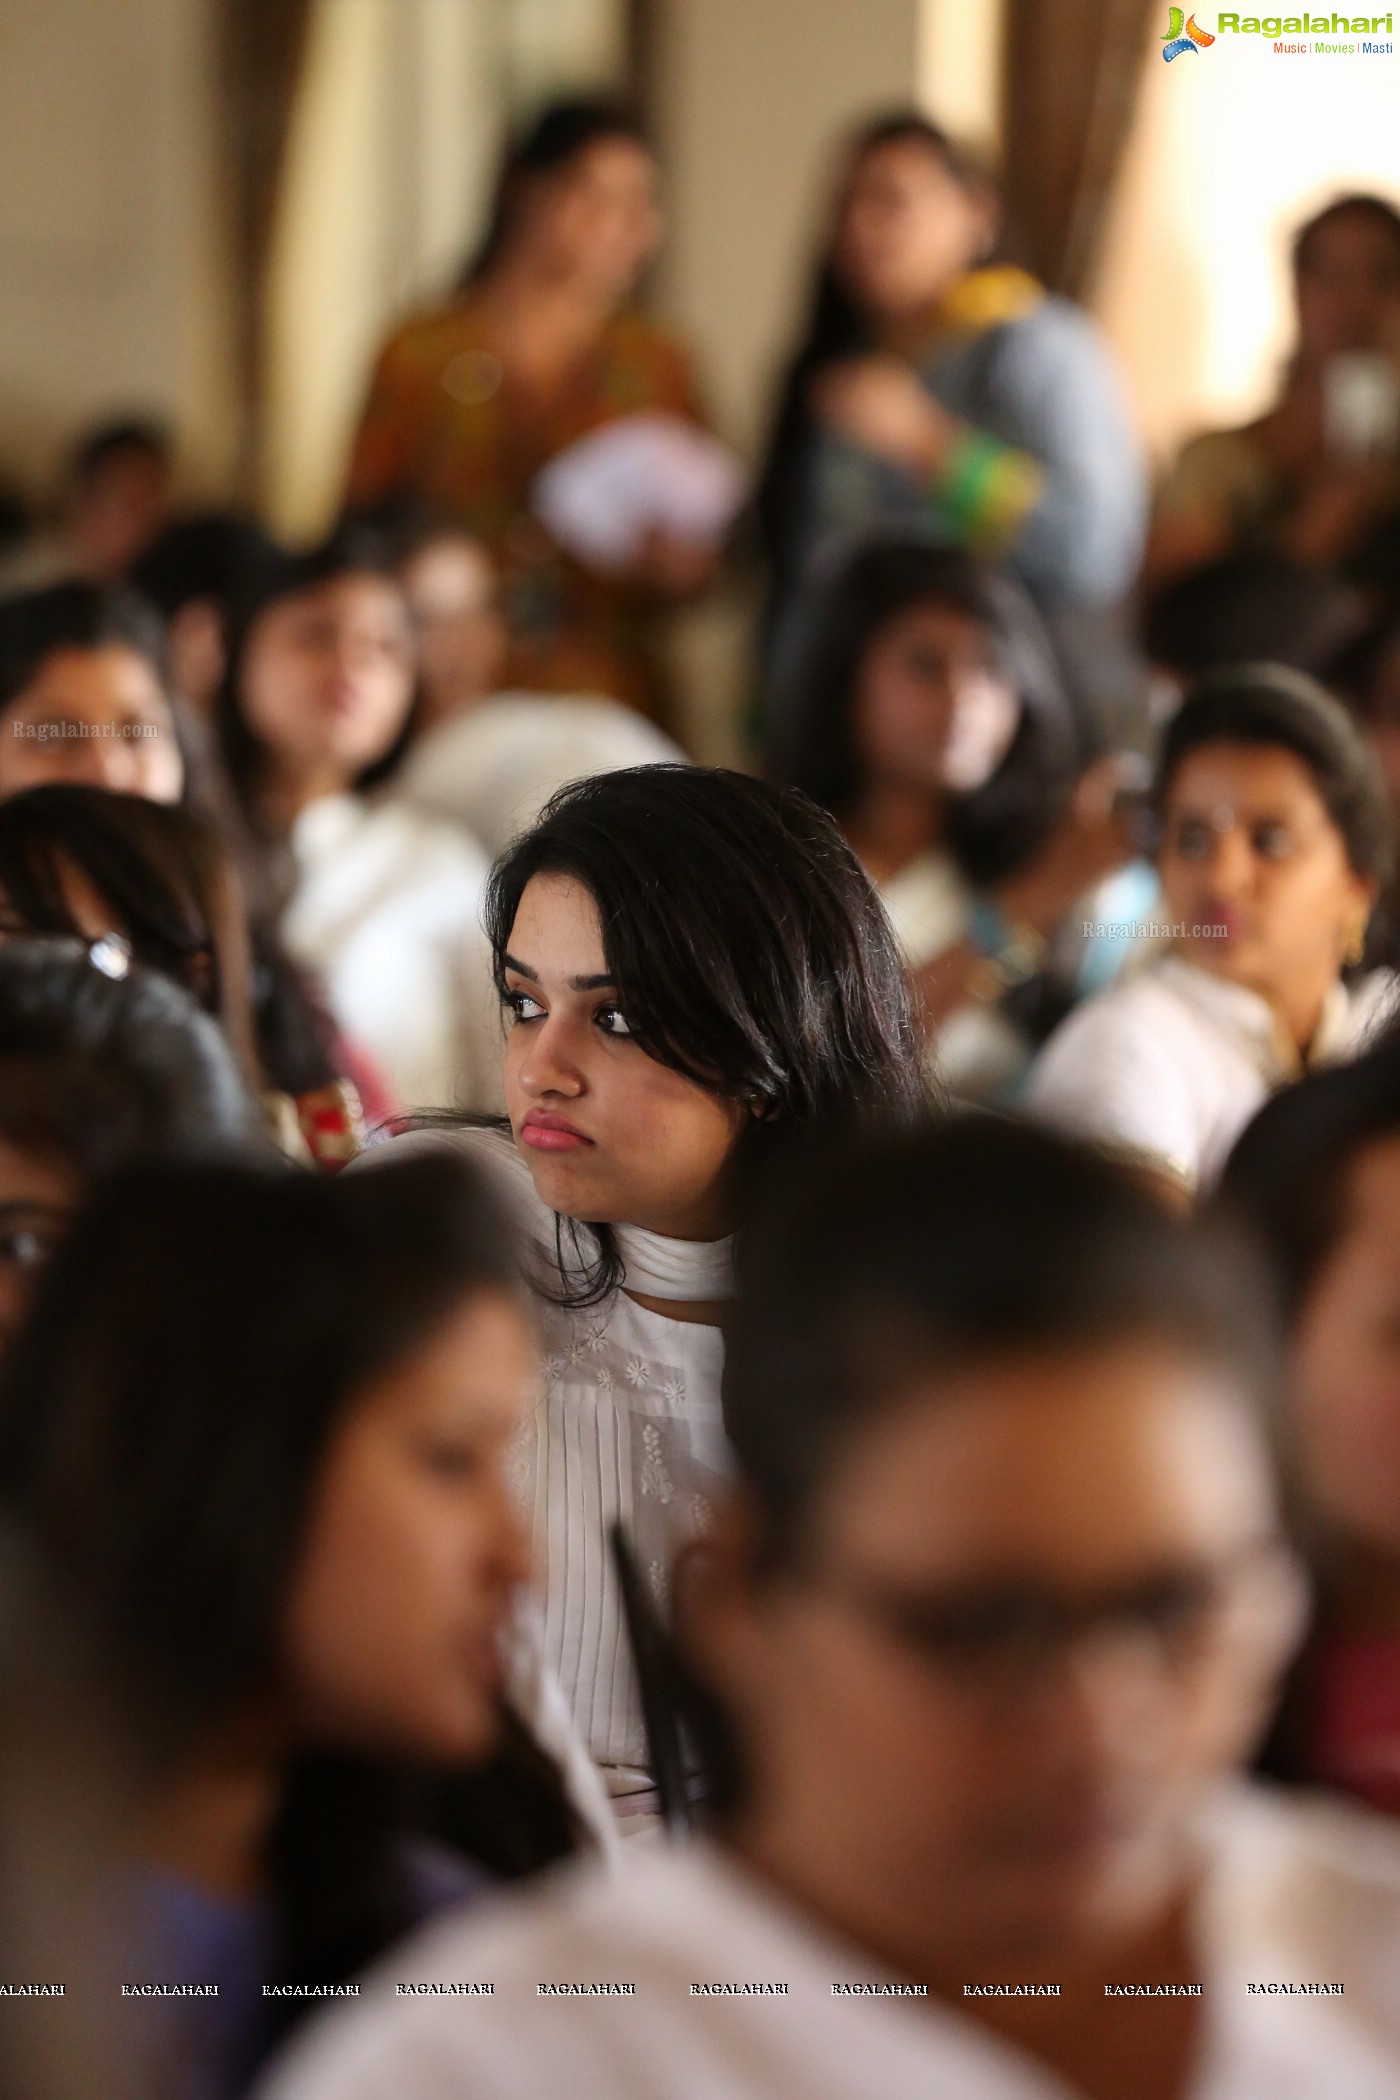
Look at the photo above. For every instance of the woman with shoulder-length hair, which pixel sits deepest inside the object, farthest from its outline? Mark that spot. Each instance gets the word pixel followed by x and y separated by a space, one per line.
pixel 937 387
pixel 254 1434
pixel 541 344
pixel 697 973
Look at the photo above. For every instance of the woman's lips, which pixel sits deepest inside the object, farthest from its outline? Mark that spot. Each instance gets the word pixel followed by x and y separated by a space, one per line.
pixel 546 1133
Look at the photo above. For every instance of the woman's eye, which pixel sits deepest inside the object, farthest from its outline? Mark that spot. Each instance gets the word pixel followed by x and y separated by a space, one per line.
pixel 1192 839
pixel 449 1461
pixel 523 1006
pixel 612 1021
pixel 1272 841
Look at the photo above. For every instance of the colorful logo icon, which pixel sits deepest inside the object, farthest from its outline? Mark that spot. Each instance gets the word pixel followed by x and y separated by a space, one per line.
pixel 1183 37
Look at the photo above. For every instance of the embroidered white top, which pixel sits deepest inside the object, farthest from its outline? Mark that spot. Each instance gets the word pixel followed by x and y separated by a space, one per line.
pixel 387 911
pixel 1172 1062
pixel 628 1426
pixel 1295 1893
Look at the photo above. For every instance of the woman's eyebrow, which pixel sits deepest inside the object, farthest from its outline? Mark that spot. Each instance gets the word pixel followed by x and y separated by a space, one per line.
pixel 600 983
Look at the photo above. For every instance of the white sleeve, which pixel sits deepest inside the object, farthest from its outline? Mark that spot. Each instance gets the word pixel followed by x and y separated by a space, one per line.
pixel 1111 1073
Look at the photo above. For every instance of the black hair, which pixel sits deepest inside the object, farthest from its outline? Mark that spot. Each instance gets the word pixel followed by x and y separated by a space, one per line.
pixel 557 136
pixel 1289 1170
pixel 1268 704
pixel 212 554
pixel 38 624
pixel 165 1417
pixel 1356 204
pixel 1252 607
pixel 175 895
pixel 835 328
pixel 997 827
pixel 355 548
pixel 916 1255
pixel 747 945
pixel 96 1070
pixel 145 436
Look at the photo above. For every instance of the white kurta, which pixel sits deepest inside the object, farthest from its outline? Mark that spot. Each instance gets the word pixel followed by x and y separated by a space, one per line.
pixel 1172 1062
pixel 494 766
pixel 387 912
pixel 628 1426
pixel 1295 1893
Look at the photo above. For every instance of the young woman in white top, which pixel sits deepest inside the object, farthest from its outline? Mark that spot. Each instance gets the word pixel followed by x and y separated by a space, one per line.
pixel 696 972
pixel 992 1620
pixel 384 901
pixel 928 716
pixel 1275 844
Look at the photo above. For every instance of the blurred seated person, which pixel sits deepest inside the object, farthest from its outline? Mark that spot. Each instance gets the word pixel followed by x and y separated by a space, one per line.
pixel 1274 845
pixel 192 573
pixel 117 494
pixel 1317 476
pixel 988 1627
pixel 83 694
pixel 928 716
pixel 82 862
pixel 938 389
pixel 540 345
pixel 1318 1174
pixel 101 1062
pixel 382 901
pixel 482 757
pixel 281 1520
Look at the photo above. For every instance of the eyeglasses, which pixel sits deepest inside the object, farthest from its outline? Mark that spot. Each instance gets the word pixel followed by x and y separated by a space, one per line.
pixel 29 1232
pixel 1007 1638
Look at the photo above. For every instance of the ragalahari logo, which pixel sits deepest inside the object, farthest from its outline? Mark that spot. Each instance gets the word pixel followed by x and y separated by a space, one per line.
pixel 1179 38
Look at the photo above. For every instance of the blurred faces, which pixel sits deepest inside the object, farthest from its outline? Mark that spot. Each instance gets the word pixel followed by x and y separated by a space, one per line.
pixel 451 588
pixel 1345 1417
pixel 933 709
pixel 907 229
pixel 1348 288
pixel 328 681
pixel 596 223
pixel 610 1135
pixel 1249 849
pixel 37 1197
pixel 95 716
pixel 1047 1603
pixel 414 1548
pixel 117 511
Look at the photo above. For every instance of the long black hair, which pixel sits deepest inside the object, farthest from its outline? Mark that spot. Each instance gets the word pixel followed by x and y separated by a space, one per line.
pixel 175 893
pixel 836 327
pixel 996 828
pixel 560 133
pixel 356 548
pixel 748 948
pixel 164 1421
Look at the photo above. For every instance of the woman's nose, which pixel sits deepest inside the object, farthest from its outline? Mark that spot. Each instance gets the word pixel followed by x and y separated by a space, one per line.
pixel 550 1065
pixel 1232 863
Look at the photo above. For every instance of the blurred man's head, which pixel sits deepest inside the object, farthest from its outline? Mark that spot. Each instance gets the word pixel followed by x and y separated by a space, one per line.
pixel 119 489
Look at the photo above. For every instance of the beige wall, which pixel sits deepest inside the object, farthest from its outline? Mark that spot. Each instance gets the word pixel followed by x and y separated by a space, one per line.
pixel 112 270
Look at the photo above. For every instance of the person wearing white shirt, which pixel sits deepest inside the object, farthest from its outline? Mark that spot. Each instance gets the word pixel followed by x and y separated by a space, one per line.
pixel 989 1624
pixel 385 900
pixel 695 970
pixel 1275 843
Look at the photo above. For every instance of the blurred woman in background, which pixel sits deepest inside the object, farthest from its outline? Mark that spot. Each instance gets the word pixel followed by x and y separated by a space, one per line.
pixel 697 974
pixel 989 1624
pixel 1274 845
pixel 100 1063
pixel 928 716
pixel 541 345
pixel 382 902
pixel 254 1434
pixel 1317 1173
pixel 82 862
pixel 937 389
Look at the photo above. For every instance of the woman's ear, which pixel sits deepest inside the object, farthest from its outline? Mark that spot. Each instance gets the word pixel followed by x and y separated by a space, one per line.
pixel 713 1594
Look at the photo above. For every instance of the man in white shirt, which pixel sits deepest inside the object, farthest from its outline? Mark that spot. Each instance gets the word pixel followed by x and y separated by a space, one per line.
pixel 993 1623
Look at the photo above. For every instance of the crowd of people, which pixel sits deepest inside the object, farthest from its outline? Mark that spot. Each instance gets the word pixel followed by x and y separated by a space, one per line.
pixel 801 1360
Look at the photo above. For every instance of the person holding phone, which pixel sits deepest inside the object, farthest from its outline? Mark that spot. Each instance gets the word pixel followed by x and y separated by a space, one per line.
pixel 1317 476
